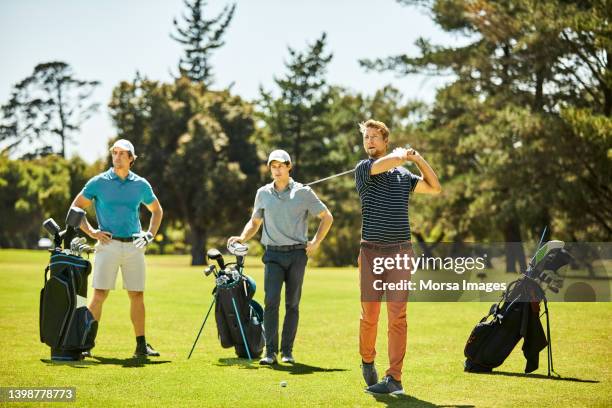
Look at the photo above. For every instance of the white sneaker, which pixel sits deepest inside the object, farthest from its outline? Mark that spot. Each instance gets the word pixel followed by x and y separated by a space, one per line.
pixel 288 358
pixel 268 360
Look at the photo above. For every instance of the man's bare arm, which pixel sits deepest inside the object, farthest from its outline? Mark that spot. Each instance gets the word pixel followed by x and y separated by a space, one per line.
pixel 430 183
pixel 157 213
pixel 324 226
pixel 386 163
pixel 82 202
pixel 250 229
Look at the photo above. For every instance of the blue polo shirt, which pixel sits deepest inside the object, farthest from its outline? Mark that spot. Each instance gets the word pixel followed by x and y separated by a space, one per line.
pixel 117 201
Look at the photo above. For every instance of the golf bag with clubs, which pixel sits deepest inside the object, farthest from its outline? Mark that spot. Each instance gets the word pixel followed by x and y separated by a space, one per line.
pixel 517 315
pixel 239 318
pixel 66 324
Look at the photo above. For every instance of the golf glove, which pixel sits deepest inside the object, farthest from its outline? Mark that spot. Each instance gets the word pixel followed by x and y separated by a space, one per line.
pixel 142 239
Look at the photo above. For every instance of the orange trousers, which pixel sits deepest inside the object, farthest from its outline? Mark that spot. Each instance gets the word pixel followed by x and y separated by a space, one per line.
pixel 371 301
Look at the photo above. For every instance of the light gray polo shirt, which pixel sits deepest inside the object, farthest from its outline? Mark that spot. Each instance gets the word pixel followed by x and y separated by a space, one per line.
pixel 285 213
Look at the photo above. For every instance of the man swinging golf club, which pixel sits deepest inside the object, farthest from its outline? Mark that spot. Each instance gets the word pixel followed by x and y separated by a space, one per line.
pixel 283 207
pixel 384 188
pixel 117 194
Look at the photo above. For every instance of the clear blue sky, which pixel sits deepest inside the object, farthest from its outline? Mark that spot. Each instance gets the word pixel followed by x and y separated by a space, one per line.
pixel 110 40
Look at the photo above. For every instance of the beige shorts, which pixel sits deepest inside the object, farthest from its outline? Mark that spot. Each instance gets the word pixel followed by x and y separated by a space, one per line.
pixel 110 257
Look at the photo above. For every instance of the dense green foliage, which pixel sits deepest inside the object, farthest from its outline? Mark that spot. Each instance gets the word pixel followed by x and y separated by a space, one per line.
pixel 520 138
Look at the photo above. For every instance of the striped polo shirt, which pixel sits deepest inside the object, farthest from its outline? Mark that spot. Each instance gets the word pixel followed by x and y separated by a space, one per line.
pixel 384 202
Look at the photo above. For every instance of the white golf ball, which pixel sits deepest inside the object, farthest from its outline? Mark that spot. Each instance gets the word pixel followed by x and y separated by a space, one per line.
pixel 283 383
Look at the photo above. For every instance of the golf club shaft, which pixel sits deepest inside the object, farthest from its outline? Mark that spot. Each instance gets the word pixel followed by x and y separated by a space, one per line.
pixel 340 174
pixel 330 177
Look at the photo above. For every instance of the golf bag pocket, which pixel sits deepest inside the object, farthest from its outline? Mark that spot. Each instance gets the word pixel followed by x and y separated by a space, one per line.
pixel 477 339
pixel 490 343
pixel 82 331
pixel 56 305
pixel 254 329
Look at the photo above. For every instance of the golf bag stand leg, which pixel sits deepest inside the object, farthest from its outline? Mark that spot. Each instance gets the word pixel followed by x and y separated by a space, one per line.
pixel 549 348
pixel 246 344
pixel 202 327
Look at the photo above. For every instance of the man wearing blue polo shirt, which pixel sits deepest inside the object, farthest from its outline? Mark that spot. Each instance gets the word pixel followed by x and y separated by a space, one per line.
pixel 117 194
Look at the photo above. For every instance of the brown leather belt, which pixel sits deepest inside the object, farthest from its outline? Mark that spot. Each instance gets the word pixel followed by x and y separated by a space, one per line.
pixel 386 247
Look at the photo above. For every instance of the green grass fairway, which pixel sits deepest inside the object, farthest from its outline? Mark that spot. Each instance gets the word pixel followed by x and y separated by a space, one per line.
pixel 328 373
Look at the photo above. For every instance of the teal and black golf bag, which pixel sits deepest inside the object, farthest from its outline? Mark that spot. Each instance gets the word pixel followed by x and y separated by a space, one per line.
pixel 517 316
pixel 66 324
pixel 239 317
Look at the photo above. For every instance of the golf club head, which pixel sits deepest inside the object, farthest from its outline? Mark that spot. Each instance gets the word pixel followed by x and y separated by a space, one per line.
pixel 238 249
pixel 51 226
pixel 215 255
pixel 209 270
pixel 74 217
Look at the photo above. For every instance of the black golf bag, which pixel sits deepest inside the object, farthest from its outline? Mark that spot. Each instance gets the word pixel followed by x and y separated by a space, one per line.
pixel 239 318
pixel 517 316
pixel 66 324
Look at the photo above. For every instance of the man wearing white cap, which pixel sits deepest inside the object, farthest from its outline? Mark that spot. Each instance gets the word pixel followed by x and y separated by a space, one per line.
pixel 117 195
pixel 283 207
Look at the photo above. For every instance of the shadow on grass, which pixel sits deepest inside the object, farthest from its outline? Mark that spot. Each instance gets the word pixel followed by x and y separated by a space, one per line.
pixel 538 376
pixel 293 369
pixel 242 362
pixel 98 360
pixel 129 362
pixel 408 401
pixel 73 364
pixel 300 369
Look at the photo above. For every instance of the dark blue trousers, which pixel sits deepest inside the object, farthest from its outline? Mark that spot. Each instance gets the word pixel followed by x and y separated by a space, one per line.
pixel 288 268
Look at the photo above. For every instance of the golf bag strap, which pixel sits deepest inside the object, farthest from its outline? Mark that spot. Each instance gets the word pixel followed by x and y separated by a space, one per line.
pixel 46 272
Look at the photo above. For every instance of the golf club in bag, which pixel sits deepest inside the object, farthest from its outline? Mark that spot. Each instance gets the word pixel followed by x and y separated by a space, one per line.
pixel 66 324
pixel 517 315
pixel 239 318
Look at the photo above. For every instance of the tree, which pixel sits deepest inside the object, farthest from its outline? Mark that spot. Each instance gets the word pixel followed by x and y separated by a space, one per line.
pixel 200 37
pixel 296 118
pixel 195 147
pixel 509 131
pixel 33 190
pixel 45 108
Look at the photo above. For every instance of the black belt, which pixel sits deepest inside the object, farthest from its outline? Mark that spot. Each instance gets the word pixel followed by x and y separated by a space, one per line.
pixel 386 247
pixel 123 239
pixel 285 248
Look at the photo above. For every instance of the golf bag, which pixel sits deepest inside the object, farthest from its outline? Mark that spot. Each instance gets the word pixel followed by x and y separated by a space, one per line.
pixel 517 316
pixel 239 318
pixel 65 323
pixel 234 308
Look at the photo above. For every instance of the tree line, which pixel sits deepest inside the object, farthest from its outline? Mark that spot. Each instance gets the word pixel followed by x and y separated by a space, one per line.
pixel 520 138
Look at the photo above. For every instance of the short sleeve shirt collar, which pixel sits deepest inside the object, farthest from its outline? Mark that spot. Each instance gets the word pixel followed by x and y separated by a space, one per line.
pixel 113 176
pixel 279 194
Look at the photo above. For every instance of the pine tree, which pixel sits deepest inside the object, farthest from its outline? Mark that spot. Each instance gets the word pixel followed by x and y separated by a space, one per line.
pixel 296 119
pixel 200 37
pixel 45 108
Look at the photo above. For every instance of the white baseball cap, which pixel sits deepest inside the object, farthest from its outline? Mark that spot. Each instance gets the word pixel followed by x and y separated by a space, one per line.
pixel 279 155
pixel 126 145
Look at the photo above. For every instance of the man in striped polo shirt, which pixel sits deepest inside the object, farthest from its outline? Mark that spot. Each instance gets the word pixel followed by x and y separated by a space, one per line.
pixel 384 188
